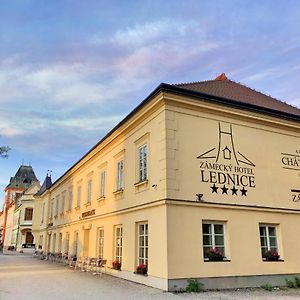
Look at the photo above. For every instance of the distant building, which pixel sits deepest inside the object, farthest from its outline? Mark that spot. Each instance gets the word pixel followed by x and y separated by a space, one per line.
pixel 200 181
pixel 18 184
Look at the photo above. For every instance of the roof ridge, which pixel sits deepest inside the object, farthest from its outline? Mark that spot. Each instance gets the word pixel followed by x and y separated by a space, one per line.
pixel 238 83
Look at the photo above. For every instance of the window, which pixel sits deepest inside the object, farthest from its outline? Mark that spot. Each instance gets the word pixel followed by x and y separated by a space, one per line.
pixel 51 208
pixel 67 242
pixel 63 200
pixel 28 214
pixel 54 243
pixel 143 243
pixel 43 213
pixel 59 242
pixel 40 246
pixel 70 202
pixel 78 195
pixel 268 239
pixel 75 248
pixel 213 237
pixel 56 206
pixel 89 190
pixel 102 183
pixel 118 243
pixel 120 171
pixel 142 169
pixel 101 243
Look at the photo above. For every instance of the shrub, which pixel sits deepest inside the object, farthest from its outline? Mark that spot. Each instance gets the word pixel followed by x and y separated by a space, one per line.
pixel 267 287
pixel 290 283
pixel 194 286
pixel 297 282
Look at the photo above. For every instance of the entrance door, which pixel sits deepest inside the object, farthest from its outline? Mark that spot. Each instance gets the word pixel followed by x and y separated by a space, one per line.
pixel 29 238
pixel 86 241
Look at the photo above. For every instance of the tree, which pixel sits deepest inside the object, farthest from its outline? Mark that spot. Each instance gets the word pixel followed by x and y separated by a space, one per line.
pixel 4 151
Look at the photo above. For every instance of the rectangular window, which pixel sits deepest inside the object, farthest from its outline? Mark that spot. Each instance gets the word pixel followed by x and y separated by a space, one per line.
pixel 51 208
pixel 59 242
pixel 118 243
pixel 101 243
pixel 120 172
pixel 268 239
pixel 54 243
pixel 89 190
pixel 67 243
pixel 102 183
pixel 56 206
pixel 143 243
pixel 213 238
pixel 63 200
pixel 78 195
pixel 43 213
pixel 75 248
pixel 40 246
pixel 70 202
pixel 142 163
pixel 28 214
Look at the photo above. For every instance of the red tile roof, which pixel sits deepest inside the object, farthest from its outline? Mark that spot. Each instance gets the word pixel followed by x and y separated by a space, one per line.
pixel 222 87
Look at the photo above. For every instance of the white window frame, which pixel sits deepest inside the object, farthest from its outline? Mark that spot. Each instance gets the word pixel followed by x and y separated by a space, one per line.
pixel 142 248
pixel 63 200
pixel 102 183
pixel 54 242
pixel 268 236
pixel 43 213
pixel 213 237
pixel 143 163
pixel 118 241
pixel 51 208
pixel 67 243
pixel 76 241
pixel 79 191
pixel 120 174
pixel 70 198
pixel 56 206
pixel 89 190
pixel 101 242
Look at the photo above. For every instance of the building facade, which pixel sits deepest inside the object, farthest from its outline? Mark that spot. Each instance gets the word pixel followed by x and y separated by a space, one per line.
pixel 22 180
pixel 22 236
pixel 201 180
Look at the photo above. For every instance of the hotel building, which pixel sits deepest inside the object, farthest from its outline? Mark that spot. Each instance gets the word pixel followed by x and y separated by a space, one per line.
pixel 201 180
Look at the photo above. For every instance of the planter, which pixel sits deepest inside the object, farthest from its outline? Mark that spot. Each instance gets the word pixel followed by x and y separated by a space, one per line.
pixel 116 265
pixel 142 269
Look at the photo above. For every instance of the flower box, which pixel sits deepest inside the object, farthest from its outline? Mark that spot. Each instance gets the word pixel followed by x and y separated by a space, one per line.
pixel 214 254
pixel 271 255
pixel 142 269
pixel 116 265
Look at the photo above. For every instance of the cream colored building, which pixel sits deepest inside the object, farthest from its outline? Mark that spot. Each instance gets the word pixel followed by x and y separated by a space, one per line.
pixel 22 237
pixel 195 167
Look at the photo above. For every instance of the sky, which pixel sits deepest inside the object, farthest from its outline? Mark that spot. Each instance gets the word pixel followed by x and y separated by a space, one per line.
pixel 70 70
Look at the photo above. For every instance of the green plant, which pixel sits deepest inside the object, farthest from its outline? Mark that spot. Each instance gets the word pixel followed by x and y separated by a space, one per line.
pixel 290 283
pixel 297 282
pixel 267 287
pixel 194 286
pixel 272 255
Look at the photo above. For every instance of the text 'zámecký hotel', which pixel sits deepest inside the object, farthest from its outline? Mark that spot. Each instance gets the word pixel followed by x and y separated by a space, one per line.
pixel 201 180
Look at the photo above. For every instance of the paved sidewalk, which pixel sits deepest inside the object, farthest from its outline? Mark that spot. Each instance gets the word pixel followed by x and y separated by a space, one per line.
pixel 25 278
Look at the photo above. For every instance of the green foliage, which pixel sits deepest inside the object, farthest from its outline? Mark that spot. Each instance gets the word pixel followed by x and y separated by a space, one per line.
pixel 267 287
pixel 4 151
pixel 194 286
pixel 290 283
pixel 297 282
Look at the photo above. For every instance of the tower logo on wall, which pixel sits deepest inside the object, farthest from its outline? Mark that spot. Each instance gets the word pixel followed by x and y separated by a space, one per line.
pixel 227 170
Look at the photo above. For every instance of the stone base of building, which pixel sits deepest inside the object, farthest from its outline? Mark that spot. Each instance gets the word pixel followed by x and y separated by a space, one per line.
pixel 233 282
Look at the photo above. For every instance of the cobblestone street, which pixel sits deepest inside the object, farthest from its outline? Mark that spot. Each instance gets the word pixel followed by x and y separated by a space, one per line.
pixel 25 278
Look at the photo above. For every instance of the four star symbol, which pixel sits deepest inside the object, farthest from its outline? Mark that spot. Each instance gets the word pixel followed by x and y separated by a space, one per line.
pixel 234 190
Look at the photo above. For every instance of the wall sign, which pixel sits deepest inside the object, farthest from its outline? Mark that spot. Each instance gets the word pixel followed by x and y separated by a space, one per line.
pixel 291 161
pixel 227 170
pixel 88 213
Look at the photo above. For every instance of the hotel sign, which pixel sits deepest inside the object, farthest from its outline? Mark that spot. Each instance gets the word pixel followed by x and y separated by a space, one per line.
pixel 291 161
pixel 225 168
pixel 88 213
